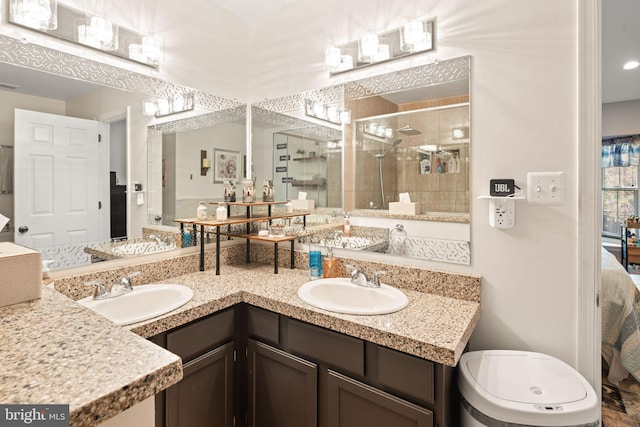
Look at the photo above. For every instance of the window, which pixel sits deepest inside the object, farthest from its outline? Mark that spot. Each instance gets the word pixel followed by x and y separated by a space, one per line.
pixel 619 197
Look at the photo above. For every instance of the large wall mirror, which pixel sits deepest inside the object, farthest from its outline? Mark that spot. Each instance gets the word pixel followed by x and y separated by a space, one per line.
pixel 96 175
pixel 399 167
pixel 156 164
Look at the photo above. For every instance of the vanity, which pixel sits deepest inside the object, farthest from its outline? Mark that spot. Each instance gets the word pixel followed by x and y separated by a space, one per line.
pixel 242 332
pixel 248 336
pixel 284 372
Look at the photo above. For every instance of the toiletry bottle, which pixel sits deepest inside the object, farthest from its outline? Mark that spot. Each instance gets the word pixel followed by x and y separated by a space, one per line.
pixel 346 227
pixel 201 212
pixel 221 212
pixel 330 265
pixel 315 264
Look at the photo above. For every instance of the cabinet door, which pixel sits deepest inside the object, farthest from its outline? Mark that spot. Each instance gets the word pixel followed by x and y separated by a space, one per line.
pixel 283 389
pixel 353 404
pixel 204 397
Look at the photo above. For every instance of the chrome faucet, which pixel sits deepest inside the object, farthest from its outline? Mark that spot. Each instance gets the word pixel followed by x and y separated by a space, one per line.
pixel 359 278
pixel 123 285
pixel 100 291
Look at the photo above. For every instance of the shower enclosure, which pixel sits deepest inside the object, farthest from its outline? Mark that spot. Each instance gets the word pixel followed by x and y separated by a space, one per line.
pixel 421 152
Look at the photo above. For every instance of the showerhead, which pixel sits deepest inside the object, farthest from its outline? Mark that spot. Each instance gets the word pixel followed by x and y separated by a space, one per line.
pixel 408 130
pixel 391 147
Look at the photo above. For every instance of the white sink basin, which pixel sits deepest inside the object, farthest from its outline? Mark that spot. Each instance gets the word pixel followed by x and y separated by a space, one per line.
pixel 144 302
pixel 342 296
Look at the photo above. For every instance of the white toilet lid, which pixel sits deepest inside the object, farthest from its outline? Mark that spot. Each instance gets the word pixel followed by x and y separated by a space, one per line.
pixel 526 378
pixel 526 388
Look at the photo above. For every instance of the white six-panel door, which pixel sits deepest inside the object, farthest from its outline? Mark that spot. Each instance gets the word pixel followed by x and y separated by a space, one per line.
pixel 56 180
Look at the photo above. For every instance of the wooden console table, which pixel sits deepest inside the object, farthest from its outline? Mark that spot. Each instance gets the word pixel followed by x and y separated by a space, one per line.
pixel 248 220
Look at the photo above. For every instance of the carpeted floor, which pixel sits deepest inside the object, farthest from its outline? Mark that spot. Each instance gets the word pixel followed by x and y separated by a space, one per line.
pixel 621 403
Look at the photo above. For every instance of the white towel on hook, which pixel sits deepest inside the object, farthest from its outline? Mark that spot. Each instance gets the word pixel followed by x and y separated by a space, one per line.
pixel 6 170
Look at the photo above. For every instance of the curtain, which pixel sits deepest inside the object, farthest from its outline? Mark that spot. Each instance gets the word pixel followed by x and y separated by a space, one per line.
pixel 621 151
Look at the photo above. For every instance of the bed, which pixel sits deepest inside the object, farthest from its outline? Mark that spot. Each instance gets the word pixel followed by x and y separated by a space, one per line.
pixel 619 299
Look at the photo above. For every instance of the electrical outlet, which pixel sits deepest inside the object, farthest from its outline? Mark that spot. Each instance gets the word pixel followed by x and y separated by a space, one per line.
pixel 502 212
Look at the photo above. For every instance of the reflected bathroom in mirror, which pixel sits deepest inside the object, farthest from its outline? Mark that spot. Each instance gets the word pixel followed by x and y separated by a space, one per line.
pixel 114 199
pixel 405 158
pixel 174 150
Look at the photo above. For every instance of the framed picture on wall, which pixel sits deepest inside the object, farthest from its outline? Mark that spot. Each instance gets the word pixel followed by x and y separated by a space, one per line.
pixel 226 165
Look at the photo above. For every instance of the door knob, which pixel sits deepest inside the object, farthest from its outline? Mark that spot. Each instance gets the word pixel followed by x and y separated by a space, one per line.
pixel 23 229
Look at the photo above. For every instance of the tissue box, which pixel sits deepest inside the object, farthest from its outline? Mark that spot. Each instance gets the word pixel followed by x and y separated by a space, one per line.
pixel 404 208
pixel 307 205
pixel 21 278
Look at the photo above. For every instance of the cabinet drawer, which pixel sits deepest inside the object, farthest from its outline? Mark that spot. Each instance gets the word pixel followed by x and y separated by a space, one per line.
pixel 404 373
pixel 263 324
pixel 199 337
pixel 337 350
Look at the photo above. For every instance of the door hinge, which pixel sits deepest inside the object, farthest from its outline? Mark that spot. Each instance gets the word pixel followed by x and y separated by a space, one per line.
pixel 99 205
pixel 99 137
pixel 246 352
pixel 234 421
pixel 598 299
pixel 235 356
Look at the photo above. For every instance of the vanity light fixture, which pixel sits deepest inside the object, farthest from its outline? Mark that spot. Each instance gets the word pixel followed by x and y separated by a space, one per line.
pixel 147 49
pixel 631 65
pixel 40 15
pixel 98 32
pixel 166 107
pixel 368 48
pixel 328 113
pixel 381 131
pixel 413 37
pixel 459 133
pixel 93 29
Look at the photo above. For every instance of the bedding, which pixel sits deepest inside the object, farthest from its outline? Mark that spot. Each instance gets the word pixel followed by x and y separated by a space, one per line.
pixel 619 299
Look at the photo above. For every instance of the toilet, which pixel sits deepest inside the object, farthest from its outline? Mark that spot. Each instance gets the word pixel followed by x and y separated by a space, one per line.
pixel 519 388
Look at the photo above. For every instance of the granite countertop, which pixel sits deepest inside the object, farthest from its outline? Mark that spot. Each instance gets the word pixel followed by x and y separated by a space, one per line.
pixel 432 327
pixel 54 351
pixel 462 218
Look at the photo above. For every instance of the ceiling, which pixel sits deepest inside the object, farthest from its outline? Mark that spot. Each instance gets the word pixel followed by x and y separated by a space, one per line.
pixel 252 9
pixel 620 38
pixel 620 43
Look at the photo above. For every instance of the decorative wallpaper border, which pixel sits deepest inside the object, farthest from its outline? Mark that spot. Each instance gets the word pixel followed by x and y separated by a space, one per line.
pixel 36 57
pixel 438 72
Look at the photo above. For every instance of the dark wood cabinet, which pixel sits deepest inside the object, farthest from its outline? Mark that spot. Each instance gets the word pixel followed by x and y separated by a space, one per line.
pixel 204 397
pixel 247 366
pixel 351 403
pixel 206 394
pixel 283 389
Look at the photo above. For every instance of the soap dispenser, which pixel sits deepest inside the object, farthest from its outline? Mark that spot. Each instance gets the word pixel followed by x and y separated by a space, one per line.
pixel 330 265
pixel 346 227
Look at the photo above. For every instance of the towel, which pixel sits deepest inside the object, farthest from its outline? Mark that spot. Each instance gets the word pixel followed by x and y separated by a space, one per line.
pixel 6 170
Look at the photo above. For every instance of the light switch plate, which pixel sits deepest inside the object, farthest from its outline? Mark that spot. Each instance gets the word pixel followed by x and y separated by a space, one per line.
pixel 546 188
